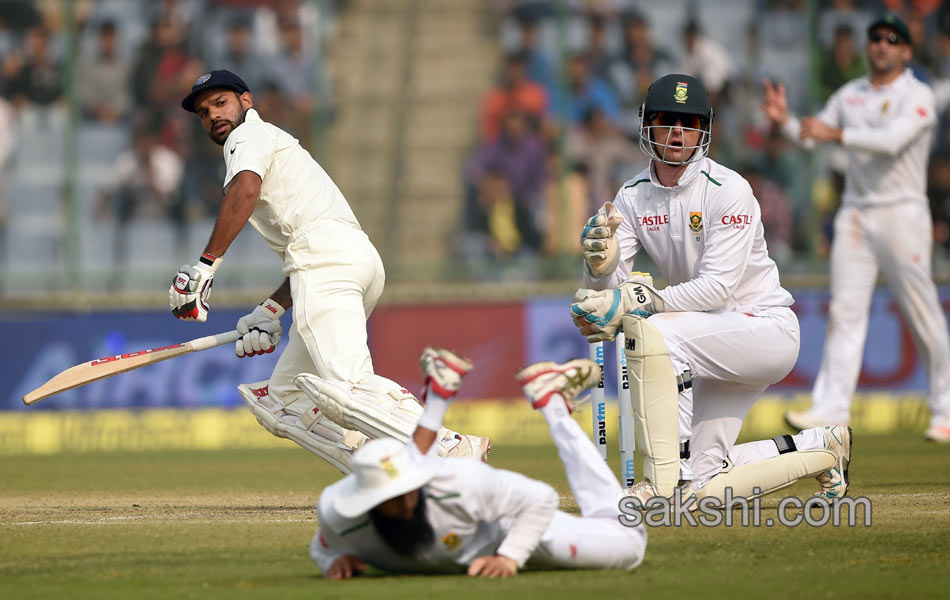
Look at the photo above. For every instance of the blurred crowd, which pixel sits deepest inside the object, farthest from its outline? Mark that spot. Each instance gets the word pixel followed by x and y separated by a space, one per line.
pixel 559 129
pixel 132 62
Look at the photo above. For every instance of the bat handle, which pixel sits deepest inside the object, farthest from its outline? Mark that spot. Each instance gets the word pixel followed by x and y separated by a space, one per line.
pixel 212 341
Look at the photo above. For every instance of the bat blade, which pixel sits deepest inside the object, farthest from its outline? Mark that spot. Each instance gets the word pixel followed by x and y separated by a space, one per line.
pixel 101 368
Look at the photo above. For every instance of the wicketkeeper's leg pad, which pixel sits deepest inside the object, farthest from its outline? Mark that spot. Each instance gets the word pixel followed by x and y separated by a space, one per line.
pixel 767 476
pixel 655 398
pixel 318 435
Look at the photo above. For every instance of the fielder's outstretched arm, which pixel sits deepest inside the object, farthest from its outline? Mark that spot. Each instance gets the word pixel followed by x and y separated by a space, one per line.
pixel 236 209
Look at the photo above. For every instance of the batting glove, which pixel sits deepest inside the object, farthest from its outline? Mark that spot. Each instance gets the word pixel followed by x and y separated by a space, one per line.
pixel 191 288
pixel 261 330
pixel 599 314
pixel 598 243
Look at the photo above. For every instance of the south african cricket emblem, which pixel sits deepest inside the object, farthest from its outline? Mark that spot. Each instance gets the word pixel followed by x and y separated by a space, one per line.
pixel 679 94
pixel 696 222
pixel 389 468
pixel 451 541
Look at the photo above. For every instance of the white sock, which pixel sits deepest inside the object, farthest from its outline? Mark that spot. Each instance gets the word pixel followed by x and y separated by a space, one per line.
pixel 555 409
pixel 810 439
pixel 434 411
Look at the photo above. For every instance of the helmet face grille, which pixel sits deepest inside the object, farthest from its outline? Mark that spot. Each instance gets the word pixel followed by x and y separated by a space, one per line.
pixel 658 149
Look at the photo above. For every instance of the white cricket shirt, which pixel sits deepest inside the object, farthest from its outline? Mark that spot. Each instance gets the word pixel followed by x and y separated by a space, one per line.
pixel 295 191
pixel 887 132
pixel 475 510
pixel 706 237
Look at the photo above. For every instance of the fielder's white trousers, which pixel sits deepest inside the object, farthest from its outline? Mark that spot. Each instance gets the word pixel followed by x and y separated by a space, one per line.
pixel 896 240
pixel 336 277
pixel 733 357
pixel 596 539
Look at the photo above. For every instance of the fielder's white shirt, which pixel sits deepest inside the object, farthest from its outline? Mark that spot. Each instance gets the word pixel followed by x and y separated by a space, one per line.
pixel 887 132
pixel 706 237
pixel 295 191
pixel 475 510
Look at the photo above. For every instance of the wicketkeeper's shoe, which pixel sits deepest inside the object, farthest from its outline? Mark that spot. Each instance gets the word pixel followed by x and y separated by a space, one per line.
pixel 443 370
pixel 834 482
pixel 808 419
pixel 540 380
pixel 642 491
pixel 939 433
pixel 465 446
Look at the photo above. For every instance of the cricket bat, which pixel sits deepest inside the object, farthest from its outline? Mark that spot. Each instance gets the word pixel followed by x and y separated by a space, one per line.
pixel 101 368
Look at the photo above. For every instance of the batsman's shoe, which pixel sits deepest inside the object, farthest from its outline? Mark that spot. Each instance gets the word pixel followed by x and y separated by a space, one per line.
pixel 808 419
pixel 443 370
pixel 939 433
pixel 834 481
pixel 458 445
pixel 540 380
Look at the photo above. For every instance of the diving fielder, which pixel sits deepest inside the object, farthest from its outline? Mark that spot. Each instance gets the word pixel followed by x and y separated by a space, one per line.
pixel 404 511
pixel 885 121
pixel 723 323
pixel 334 278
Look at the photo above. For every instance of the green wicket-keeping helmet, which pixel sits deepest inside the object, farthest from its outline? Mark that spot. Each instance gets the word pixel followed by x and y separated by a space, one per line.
pixel 670 96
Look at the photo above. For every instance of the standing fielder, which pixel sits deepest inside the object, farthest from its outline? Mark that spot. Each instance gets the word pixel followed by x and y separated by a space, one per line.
pixel 886 122
pixel 723 323
pixel 405 511
pixel 334 278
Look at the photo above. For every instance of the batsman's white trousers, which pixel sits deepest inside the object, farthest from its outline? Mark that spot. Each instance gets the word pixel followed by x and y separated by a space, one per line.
pixel 896 240
pixel 336 277
pixel 733 357
pixel 596 539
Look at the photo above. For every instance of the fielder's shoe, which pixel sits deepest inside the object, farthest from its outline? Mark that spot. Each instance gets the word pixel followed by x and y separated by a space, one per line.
pixel 808 419
pixel 444 370
pixel 540 380
pixel 465 446
pixel 834 482
pixel 939 433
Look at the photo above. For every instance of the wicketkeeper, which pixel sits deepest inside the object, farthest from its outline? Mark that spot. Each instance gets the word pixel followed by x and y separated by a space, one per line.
pixel 406 511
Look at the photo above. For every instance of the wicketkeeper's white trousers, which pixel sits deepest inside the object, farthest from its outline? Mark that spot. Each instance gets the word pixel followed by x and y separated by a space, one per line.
pixel 896 240
pixel 596 539
pixel 733 357
pixel 336 277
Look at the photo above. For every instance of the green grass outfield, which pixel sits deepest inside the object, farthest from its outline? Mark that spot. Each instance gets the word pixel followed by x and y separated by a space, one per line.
pixel 237 524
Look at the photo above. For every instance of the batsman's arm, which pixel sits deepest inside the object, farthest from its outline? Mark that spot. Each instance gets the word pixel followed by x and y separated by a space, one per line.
pixel 236 209
pixel 282 295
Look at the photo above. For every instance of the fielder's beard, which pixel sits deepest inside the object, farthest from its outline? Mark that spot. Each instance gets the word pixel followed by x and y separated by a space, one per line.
pixel 405 537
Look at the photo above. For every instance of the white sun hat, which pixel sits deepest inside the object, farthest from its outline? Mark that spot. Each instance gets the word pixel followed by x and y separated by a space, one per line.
pixel 382 470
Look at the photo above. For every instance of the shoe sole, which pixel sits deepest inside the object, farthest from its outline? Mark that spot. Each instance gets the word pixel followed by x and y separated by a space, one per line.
pixel 484 455
pixel 847 481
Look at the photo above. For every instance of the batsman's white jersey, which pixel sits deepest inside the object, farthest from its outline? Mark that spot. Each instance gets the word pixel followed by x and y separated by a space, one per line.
pixel 336 275
pixel 476 510
pixel 884 224
pixel 727 316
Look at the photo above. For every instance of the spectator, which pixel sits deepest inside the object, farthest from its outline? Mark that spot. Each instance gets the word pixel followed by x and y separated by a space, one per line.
pixel 144 183
pixel 239 56
pixel 938 190
pixel 776 214
pixel 706 60
pixel 103 80
pixel 498 226
pixel 841 64
pixel 586 92
pixel 610 158
pixel 298 76
pixel 640 63
pixel 8 144
pixel 539 63
pixel 599 55
pixel 163 68
pixel 39 80
pixel 513 92
pixel 520 153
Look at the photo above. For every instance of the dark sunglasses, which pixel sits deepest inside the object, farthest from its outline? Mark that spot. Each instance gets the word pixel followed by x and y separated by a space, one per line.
pixel 667 119
pixel 891 38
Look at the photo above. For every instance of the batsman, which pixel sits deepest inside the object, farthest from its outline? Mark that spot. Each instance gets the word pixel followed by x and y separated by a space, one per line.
pixel 334 276
pixel 723 325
